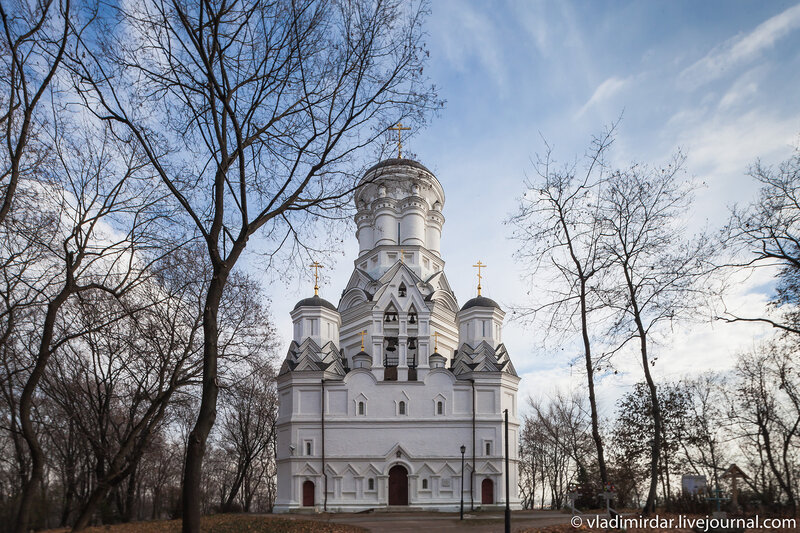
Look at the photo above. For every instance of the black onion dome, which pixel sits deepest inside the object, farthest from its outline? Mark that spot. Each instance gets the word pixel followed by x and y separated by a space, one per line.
pixel 315 301
pixel 399 161
pixel 362 352
pixel 481 301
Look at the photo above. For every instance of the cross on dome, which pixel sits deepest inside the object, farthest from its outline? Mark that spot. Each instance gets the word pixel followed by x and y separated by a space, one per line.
pixel 316 266
pixel 479 266
pixel 399 129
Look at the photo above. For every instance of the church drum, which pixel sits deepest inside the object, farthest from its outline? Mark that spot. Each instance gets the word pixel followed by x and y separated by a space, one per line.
pixel 487 491
pixel 398 485
pixel 308 494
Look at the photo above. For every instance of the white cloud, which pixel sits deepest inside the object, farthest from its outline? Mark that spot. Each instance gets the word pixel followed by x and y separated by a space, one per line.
pixel 742 90
pixel 604 92
pixel 468 35
pixel 741 49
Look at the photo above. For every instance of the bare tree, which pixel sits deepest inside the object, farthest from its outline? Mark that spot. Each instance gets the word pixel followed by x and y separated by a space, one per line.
pixel 657 270
pixel 705 448
pixel 247 432
pixel 557 437
pixel 766 234
pixel 768 411
pixel 104 216
pixel 250 113
pixel 35 36
pixel 558 229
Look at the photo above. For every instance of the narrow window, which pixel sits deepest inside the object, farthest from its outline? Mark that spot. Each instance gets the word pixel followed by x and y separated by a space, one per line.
pixel 483 328
pixel 371 484
pixel 424 484
pixel 361 408
pixel 308 448
pixel 488 448
pixel 402 408
pixel 439 408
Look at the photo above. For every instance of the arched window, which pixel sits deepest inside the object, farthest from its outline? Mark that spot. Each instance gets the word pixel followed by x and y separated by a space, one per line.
pixel 439 408
pixel 308 448
pixel 371 484
pixel 401 408
pixel 361 408
pixel 424 484
pixel 401 290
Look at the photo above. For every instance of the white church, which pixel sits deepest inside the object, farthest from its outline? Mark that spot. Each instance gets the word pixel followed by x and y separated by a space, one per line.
pixel 384 397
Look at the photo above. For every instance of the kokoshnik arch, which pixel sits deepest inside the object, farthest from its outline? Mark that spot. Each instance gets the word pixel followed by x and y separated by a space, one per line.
pixel 378 394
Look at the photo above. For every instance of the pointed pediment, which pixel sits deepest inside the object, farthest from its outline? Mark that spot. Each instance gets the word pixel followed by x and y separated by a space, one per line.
pixel 487 468
pixel 447 470
pixel 308 470
pixel 397 448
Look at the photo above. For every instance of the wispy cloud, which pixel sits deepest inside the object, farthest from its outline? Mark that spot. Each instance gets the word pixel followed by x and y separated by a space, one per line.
pixel 741 49
pixel 483 41
pixel 604 91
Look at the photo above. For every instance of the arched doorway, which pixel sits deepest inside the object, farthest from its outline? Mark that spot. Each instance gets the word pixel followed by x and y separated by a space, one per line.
pixel 398 485
pixel 487 491
pixel 308 493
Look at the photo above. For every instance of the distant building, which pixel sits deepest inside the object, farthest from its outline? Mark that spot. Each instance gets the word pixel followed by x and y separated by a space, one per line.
pixel 378 394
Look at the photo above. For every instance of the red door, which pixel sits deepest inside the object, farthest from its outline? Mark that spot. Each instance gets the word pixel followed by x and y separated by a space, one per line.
pixel 308 494
pixel 398 485
pixel 487 491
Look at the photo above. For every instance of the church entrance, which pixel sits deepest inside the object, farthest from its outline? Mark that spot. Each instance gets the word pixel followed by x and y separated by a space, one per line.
pixel 398 485
pixel 487 491
pixel 308 494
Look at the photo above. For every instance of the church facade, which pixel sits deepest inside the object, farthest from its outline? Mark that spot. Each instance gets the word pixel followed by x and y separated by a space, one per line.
pixel 396 394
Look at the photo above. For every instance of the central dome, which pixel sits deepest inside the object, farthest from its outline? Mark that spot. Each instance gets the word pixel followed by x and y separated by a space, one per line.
pixel 398 161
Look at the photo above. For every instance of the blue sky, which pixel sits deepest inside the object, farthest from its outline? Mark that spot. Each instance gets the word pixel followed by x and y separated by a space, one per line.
pixel 720 80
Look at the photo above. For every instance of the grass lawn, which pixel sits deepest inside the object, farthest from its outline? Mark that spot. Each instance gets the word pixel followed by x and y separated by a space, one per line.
pixel 230 523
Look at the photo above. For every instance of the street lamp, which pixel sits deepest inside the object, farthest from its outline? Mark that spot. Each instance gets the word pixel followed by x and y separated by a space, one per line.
pixel 463 449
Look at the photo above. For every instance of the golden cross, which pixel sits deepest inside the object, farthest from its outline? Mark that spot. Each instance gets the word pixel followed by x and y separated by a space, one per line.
pixel 399 129
pixel 316 266
pixel 435 341
pixel 479 266
pixel 362 333
pixel 401 254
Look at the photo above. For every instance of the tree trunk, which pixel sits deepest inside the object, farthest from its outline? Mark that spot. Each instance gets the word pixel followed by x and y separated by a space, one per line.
pixel 598 440
pixel 196 446
pixel 31 485
pixel 655 448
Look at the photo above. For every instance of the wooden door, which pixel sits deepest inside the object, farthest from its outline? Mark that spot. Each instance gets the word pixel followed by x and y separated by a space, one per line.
pixel 398 485
pixel 487 491
pixel 308 494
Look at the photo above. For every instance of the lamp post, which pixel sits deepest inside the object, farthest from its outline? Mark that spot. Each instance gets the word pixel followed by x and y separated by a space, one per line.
pixel 463 449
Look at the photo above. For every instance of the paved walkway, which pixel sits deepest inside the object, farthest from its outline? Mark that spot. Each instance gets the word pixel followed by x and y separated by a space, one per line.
pixel 420 522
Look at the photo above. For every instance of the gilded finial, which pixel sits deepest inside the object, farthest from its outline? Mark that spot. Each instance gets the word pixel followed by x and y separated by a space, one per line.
pixel 479 266
pixel 401 254
pixel 435 341
pixel 316 266
pixel 399 129
pixel 362 333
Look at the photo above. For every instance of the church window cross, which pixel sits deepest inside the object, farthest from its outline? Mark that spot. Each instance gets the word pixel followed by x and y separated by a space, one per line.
pixel 399 129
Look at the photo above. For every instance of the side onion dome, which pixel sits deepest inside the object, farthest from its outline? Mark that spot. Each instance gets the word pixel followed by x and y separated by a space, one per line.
pixel 362 360
pixel 481 301
pixel 436 360
pixel 315 301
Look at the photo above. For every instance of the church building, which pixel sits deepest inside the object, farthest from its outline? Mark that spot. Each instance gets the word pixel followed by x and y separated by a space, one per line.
pixel 396 396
